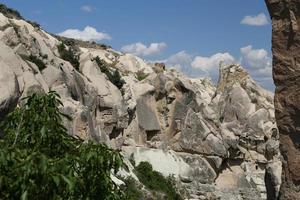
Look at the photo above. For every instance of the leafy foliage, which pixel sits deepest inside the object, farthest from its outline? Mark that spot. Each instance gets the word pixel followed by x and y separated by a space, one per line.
pixel 34 24
pixel 102 65
pixel 140 75
pixel 39 160
pixel 133 191
pixel 156 181
pixel 113 77
pixel 14 14
pixel 69 55
pixel 34 59
pixel 9 12
pixel 79 43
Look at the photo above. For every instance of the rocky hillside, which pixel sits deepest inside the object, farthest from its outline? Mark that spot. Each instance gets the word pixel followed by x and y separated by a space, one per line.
pixel 285 20
pixel 219 142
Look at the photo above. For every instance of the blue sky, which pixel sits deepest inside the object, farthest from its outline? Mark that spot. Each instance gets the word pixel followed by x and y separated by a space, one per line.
pixel 192 35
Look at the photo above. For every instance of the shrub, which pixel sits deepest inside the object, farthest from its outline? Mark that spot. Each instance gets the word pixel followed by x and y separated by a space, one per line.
pixel 102 65
pixel 44 56
pixel 34 59
pixel 133 191
pixel 34 24
pixel 156 181
pixel 69 55
pixel 10 13
pixel 39 160
pixel 14 14
pixel 80 43
pixel 140 75
pixel 114 77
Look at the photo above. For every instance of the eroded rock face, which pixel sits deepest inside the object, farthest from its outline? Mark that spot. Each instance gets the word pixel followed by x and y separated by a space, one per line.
pixel 219 142
pixel 285 16
pixel 9 89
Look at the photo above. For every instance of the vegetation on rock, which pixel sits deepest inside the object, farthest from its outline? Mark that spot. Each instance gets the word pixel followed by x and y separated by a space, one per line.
pixel 155 181
pixel 39 160
pixel 14 14
pixel 114 77
pixel 9 12
pixel 141 75
pixel 69 55
pixel 81 43
pixel 34 59
pixel 133 190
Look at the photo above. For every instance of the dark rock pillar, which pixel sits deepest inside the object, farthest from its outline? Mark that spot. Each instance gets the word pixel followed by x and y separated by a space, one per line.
pixel 285 16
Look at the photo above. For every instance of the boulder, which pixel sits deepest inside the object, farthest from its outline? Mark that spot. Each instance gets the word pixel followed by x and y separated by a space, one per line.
pixel 197 137
pixel 273 179
pixel 9 89
pixel 147 117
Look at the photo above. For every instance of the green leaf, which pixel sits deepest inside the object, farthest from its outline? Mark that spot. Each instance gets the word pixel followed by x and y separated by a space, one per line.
pixel 70 183
pixel 46 162
pixel 56 180
pixel 24 195
pixel 43 132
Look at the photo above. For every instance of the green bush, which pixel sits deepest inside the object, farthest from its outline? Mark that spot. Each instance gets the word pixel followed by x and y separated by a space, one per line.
pixel 39 160
pixel 155 181
pixel 102 65
pixel 133 191
pixel 38 62
pixel 79 43
pixel 69 55
pixel 9 12
pixel 114 77
pixel 140 75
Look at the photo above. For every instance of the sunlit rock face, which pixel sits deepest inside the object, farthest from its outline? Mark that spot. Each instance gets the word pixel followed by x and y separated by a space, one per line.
pixel 218 141
pixel 285 44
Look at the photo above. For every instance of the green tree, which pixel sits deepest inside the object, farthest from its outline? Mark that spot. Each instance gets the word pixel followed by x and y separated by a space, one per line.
pixel 39 160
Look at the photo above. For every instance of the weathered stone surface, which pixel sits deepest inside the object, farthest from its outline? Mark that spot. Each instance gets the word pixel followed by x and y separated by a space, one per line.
pixel 9 89
pixel 146 114
pixel 187 127
pixel 197 137
pixel 187 167
pixel 273 179
pixel 286 53
pixel 202 171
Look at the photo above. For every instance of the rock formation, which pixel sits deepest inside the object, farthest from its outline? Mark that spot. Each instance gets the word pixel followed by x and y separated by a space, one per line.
pixel 219 142
pixel 285 16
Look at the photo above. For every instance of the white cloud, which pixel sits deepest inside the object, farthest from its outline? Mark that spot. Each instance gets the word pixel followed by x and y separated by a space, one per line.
pixel 257 20
pixel 141 49
pixel 88 34
pixel 212 63
pixel 255 58
pixel 196 66
pixel 259 64
pixel 86 8
pixel 256 61
pixel 180 60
